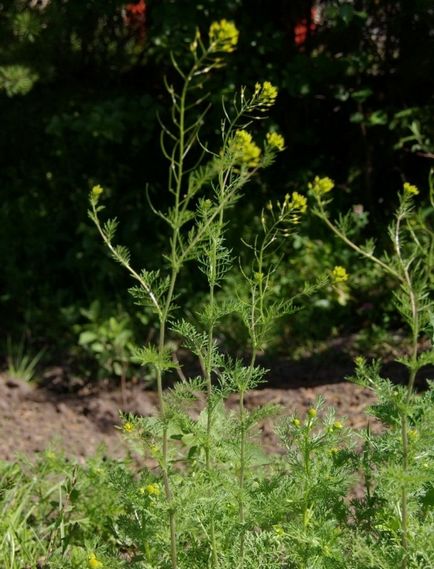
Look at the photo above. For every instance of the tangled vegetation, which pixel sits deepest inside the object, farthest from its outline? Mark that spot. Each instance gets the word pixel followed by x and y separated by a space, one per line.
pixel 210 496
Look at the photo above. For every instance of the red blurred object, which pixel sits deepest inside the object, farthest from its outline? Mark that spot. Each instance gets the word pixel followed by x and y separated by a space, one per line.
pixel 302 28
pixel 135 17
pixel 136 8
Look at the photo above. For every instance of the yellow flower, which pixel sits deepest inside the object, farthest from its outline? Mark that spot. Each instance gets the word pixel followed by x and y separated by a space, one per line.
pixel 275 140
pixel 296 422
pixel 128 427
pixel 299 202
pixel 321 186
pixel 337 425
pixel 95 193
pixel 93 562
pixel 410 189
pixel 266 93
pixel 152 490
pixel 278 529
pixel 413 435
pixel 293 205
pixel 339 275
pixel 245 150
pixel 223 36
pixel 312 413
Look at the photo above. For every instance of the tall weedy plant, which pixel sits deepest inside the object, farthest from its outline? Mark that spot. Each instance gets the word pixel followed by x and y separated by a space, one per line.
pixel 204 184
pixel 409 263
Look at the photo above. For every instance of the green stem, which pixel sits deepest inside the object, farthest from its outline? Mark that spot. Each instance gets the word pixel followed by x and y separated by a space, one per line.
pixel 404 493
pixel 122 261
pixel 241 512
pixel 208 377
pixel 415 326
pixel 242 473
pixel 163 415
pixel 404 277
pixel 176 264
pixel 322 214
pixel 306 460
pixel 306 488
pixel 209 360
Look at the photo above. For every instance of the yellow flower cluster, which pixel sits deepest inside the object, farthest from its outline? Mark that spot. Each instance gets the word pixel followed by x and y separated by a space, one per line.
pixel 291 208
pixel 266 93
pixel 95 193
pixel 339 275
pixel 312 413
pixel 93 562
pixel 244 149
pixel 279 531
pixel 128 427
pixel 411 189
pixel 275 140
pixel 298 202
pixel 321 186
pixel 152 490
pixel 223 36
pixel 413 435
pixel 337 426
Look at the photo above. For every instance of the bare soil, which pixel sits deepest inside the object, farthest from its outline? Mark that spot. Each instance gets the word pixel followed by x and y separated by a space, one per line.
pixel 65 413
pixel 33 418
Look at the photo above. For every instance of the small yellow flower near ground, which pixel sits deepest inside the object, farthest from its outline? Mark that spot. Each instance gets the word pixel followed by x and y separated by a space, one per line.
pixel 128 427
pixel 93 562
pixel 96 192
pixel 275 140
pixel 413 435
pixel 278 529
pixel 321 186
pixel 337 425
pixel 152 490
pixel 296 422
pixel 312 413
pixel 411 189
pixel 244 149
pixel 223 36
pixel 339 275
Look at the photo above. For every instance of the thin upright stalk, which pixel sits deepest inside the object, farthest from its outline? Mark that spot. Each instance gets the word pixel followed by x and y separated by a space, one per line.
pixel 162 409
pixel 208 374
pixel 402 274
pixel 242 472
pixel 415 326
pixel 208 378
pixel 178 159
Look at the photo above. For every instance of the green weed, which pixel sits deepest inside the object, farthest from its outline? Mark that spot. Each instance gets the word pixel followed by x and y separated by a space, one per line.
pixel 210 496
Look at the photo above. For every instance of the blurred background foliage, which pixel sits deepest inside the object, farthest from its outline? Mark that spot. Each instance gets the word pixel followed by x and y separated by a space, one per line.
pixel 81 85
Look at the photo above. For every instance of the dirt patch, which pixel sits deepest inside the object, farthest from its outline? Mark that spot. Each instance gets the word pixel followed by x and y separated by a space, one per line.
pixel 33 418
